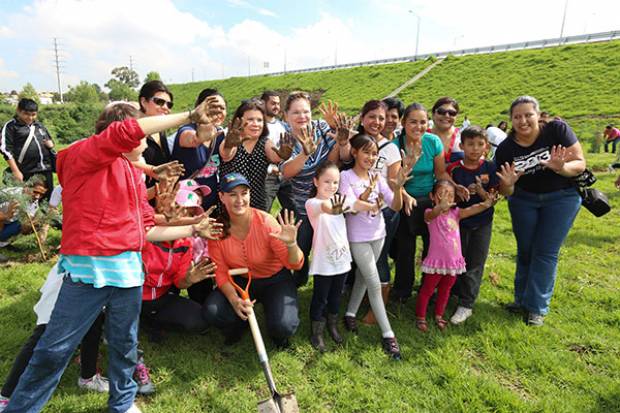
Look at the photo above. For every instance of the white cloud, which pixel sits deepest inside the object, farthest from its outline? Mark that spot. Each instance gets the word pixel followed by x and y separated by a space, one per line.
pixel 246 5
pixel 6 72
pixel 6 32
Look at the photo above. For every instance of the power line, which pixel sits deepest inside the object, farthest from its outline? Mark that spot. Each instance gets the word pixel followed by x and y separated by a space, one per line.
pixel 57 63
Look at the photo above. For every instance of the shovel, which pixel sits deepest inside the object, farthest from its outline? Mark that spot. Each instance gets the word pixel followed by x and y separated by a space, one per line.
pixel 286 403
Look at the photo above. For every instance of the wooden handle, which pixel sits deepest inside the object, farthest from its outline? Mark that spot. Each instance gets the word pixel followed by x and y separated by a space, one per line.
pixel 238 271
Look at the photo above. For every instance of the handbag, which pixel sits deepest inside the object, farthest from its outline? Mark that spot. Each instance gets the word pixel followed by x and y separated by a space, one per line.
pixel 594 201
pixel 584 179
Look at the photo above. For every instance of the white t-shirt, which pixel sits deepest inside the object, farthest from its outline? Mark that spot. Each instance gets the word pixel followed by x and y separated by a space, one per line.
pixel 389 154
pixel 330 246
pixel 56 197
pixel 49 294
pixel 276 129
pixel 495 136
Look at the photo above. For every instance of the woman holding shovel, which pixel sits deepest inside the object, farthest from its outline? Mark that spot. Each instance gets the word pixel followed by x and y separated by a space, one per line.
pixel 254 239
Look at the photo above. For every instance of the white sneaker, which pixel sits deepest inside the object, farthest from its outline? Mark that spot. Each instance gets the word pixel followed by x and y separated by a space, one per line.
pixel 97 383
pixel 460 315
pixel 134 409
pixel 4 401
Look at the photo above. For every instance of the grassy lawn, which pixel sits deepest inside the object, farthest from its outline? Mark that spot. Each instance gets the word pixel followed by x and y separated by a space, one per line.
pixel 493 363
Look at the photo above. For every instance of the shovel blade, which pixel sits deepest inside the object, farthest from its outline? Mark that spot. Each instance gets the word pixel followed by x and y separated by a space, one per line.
pixel 286 403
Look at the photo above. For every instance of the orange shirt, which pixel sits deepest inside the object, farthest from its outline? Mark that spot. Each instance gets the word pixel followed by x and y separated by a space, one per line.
pixel 261 253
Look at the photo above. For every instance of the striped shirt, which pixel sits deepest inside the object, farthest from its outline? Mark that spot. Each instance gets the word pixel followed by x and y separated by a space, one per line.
pixel 123 270
pixel 302 182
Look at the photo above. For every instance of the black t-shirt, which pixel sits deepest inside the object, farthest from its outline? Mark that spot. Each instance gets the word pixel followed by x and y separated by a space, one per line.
pixel 536 178
pixel 156 154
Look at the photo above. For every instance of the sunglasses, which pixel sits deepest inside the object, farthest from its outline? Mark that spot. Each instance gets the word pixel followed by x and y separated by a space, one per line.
pixel 161 102
pixel 449 112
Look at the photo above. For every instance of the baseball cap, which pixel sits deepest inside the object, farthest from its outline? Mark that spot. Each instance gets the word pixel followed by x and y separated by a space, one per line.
pixel 233 180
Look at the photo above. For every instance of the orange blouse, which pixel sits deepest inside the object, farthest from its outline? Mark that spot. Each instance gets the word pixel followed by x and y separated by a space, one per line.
pixel 261 253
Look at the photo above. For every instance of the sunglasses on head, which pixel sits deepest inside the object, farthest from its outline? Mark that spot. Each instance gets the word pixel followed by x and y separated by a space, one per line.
pixel 161 102
pixel 450 112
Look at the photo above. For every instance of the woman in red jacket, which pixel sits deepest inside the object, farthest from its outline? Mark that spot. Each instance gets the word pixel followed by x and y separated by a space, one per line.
pixel 107 220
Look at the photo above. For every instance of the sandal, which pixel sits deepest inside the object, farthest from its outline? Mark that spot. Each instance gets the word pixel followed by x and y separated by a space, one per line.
pixel 421 324
pixel 441 323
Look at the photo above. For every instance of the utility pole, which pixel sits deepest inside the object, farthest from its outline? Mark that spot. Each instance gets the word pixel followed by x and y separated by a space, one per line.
pixel 57 63
pixel 563 21
pixel 130 62
pixel 192 74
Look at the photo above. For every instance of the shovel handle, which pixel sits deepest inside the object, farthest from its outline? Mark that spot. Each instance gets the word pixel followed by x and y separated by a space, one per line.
pixel 245 293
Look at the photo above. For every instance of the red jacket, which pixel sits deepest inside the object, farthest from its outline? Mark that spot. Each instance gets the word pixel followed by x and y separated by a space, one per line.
pixel 165 263
pixel 105 209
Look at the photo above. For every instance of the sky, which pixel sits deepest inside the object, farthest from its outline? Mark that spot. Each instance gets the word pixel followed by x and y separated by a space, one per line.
pixel 187 40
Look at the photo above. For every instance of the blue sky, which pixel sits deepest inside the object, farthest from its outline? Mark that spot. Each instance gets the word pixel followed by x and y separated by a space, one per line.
pixel 220 38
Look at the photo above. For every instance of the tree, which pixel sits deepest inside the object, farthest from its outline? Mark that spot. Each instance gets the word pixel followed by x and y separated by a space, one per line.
pixel 83 93
pixel 29 92
pixel 126 75
pixel 120 90
pixel 152 76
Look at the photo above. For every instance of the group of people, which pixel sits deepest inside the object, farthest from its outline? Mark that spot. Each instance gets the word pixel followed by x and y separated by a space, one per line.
pixel 146 215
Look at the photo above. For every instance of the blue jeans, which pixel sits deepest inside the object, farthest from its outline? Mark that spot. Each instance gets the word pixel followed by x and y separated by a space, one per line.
pixel 391 218
pixel 540 223
pixel 77 307
pixel 9 230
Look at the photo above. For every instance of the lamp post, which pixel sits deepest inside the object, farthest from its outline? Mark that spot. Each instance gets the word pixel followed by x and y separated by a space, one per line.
pixel 417 36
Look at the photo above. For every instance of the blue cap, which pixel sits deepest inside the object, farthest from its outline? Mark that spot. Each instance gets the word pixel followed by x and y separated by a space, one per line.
pixel 233 180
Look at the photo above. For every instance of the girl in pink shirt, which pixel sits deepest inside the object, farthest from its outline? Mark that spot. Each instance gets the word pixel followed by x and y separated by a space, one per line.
pixel 444 260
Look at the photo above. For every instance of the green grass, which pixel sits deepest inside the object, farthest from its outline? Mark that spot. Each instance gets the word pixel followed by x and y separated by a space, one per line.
pixel 493 363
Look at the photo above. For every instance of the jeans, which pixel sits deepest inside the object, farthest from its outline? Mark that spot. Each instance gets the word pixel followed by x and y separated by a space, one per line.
pixel 540 223
pixel 9 230
pixel 326 293
pixel 304 240
pixel 274 186
pixel 391 218
pixel 614 143
pixel 77 308
pixel 475 244
pixel 278 296
pixel 409 228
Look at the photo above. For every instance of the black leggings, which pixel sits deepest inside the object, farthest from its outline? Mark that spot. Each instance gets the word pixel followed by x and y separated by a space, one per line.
pixel 89 350
pixel 171 311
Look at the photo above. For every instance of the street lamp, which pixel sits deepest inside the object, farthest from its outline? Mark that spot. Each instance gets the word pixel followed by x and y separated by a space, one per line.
pixel 417 37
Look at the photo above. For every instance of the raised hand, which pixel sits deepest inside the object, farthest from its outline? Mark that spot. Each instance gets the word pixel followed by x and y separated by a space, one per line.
pixel 207 111
pixel 287 143
pixel 344 129
pixel 165 200
pixel 559 156
pixel 508 174
pixel 329 113
pixel 208 227
pixel 492 198
pixel 201 271
pixel 477 188
pixel 306 140
pixel 206 132
pixel 169 171
pixel 372 183
pixel 443 204
pixel 337 202
pixel 462 192
pixel 379 203
pixel 233 137
pixel 414 153
pixel 288 229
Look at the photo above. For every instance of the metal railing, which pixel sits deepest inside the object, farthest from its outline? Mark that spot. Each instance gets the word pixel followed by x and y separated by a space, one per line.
pixel 534 44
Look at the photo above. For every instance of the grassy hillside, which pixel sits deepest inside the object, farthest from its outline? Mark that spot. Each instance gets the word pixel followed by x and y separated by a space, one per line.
pixel 349 87
pixel 581 83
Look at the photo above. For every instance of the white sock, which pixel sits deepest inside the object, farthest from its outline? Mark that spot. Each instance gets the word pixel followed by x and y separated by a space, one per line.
pixel 389 334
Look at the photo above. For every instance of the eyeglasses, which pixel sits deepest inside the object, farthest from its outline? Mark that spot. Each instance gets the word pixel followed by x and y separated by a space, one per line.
pixel 161 102
pixel 449 112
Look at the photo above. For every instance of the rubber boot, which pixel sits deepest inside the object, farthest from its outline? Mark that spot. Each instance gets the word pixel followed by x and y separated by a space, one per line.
pixel 332 328
pixel 369 318
pixel 316 339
